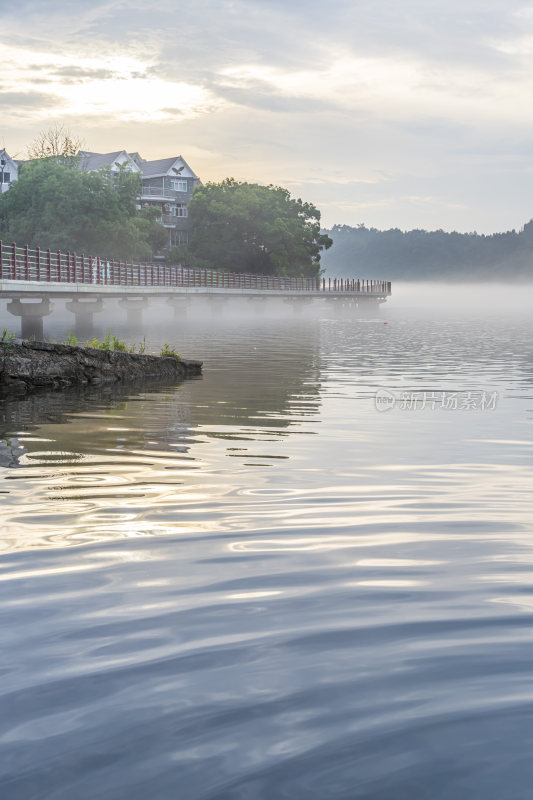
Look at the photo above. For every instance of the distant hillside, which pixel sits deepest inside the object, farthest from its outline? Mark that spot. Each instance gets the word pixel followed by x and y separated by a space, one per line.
pixel 429 255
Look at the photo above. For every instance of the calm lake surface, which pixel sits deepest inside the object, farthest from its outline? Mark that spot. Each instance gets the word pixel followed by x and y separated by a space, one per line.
pixel 258 585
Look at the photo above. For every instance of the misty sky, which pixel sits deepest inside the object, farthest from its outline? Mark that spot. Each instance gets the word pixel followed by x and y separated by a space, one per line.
pixel 409 114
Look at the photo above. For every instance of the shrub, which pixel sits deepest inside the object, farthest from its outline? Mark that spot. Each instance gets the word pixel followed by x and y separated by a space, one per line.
pixel 169 351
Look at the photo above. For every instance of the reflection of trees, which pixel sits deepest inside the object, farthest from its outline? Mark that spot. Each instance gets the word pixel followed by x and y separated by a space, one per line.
pixel 267 382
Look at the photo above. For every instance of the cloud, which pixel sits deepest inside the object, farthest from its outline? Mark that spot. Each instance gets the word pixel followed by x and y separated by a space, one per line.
pixel 76 74
pixel 173 112
pixel 369 104
pixel 262 95
pixel 295 34
pixel 36 100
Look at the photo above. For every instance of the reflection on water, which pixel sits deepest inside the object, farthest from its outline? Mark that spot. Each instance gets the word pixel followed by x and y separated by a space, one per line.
pixel 256 585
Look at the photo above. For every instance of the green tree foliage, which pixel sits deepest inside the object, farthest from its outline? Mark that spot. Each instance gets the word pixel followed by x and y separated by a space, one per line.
pixel 245 227
pixel 150 229
pixel 181 254
pixel 54 204
pixel 430 255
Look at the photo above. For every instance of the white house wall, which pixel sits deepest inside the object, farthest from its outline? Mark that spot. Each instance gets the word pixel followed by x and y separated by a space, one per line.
pixel 125 159
pixel 11 168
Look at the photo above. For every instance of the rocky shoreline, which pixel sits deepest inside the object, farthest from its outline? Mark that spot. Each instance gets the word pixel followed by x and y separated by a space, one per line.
pixel 28 366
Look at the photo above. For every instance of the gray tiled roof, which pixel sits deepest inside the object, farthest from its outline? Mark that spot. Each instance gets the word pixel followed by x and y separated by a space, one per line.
pixel 159 167
pixel 90 161
pixel 150 169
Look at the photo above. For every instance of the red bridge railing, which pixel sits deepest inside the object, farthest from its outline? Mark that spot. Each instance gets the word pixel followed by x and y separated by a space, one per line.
pixel 53 266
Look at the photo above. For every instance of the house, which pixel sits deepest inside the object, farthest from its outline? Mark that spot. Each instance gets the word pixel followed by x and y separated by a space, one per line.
pixel 167 183
pixel 8 171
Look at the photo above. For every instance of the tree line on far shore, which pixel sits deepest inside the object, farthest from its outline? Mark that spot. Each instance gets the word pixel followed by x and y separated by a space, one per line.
pixel 430 255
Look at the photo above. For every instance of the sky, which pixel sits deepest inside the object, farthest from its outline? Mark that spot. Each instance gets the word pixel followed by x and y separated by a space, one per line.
pixel 412 114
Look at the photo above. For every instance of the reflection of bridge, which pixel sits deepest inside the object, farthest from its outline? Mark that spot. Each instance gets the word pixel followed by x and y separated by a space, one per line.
pixel 28 275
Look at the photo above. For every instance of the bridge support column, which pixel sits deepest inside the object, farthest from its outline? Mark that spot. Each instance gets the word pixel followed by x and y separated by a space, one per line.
pixel 258 303
pixel 216 303
pixel 179 305
pixel 134 307
pixel 332 305
pixel 83 311
pixel 31 317
pixel 298 304
pixel 367 307
pixel 347 307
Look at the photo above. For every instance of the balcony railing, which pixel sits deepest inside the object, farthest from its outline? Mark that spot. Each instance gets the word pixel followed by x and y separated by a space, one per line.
pixel 172 220
pixel 158 191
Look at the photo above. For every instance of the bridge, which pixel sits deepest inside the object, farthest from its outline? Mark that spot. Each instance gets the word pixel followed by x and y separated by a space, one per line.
pixel 30 278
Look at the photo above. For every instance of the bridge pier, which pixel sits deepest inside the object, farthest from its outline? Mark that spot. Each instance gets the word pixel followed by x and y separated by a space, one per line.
pixel 348 308
pixel 258 303
pixel 368 307
pixel 31 317
pixel 216 303
pixel 332 304
pixel 83 311
pixel 135 307
pixel 298 304
pixel 179 305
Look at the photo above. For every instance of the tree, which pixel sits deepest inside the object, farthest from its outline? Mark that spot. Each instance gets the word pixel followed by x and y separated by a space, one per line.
pixel 54 204
pixel 182 254
pixel 245 227
pixel 55 141
pixel 151 230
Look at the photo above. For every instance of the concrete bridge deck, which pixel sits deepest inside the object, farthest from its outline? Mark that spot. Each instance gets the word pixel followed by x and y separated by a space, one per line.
pixel 28 289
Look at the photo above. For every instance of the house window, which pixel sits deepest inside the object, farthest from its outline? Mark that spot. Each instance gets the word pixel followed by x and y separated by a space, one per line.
pixel 180 210
pixel 7 177
pixel 178 186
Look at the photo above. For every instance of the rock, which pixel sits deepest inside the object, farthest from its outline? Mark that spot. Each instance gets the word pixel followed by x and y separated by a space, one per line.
pixel 26 366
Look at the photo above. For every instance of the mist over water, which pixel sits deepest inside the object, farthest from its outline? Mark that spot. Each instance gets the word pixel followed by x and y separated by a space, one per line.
pixel 261 584
pixel 469 300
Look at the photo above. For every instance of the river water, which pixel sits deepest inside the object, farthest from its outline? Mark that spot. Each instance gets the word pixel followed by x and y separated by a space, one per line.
pixel 259 585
